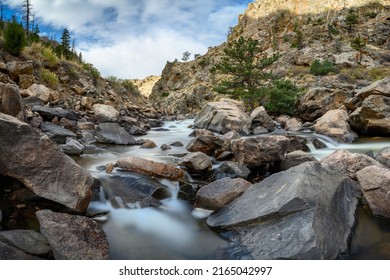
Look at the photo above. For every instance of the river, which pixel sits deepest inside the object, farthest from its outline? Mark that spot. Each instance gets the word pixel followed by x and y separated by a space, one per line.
pixel 176 230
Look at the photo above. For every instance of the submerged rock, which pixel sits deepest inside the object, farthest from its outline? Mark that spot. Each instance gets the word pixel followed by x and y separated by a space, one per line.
pixel 36 161
pixel 306 212
pixel 73 237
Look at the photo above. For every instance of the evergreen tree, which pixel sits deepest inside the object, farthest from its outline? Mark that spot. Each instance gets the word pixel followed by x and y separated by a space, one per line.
pixel 65 43
pixel 14 37
pixel 27 14
pixel 247 79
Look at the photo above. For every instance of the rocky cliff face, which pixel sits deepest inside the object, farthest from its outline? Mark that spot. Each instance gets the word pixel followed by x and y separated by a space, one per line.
pixel 301 31
pixel 146 85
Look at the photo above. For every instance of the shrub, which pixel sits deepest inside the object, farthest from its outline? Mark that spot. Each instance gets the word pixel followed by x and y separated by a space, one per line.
pixel 14 37
pixel 37 51
pixel 50 57
pixel 92 70
pixel 49 77
pixel 319 69
pixel 165 94
pixel 281 98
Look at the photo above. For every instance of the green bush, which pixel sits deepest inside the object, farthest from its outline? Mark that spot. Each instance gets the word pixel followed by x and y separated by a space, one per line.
pixel 50 57
pixel 281 98
pixel 49 77
pixel 14 37
pixel 165 94
pixel 319 69
pixel 92 70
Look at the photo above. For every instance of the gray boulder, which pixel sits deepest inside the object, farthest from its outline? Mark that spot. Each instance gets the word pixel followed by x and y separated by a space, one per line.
pixel 206 144
pixel 17 68
pixel 8 252
pixel 230 169
pixel 72 147
pixel 381 87
pixel 383 157
pixel 196 161
pixel 105 113
pixel 11 101
pixel 36 161
pixel 30 241
pixel 113 133
pixel 306 212
pixel 48 113
pixel 222 117
pixel 260 117
pixel 73 237
pixel 57 133
pixel 40 91
pixel 221 192
pixel 296 158
pixel 256 151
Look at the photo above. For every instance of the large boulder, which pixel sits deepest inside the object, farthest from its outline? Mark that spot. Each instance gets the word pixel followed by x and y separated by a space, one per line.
pixel 196 161
pixel 221 192
pixel 381 87
pixel 30 241
pixel 375 182
pixel 8 252
pixel 306 212
pixel 11 101
pixel 148 167
pixel 256 151
pixel 260 117
pixel 73 237
pixel 40 91
pixel 230 169
pixel 222 117
pixel 317 101
pixel 206 144
pixel 296 158
pixel 348 163
pixel 383 156
pixel 113 133
pixel 373 118
pixel 57 133
pixel 334 123
pixel 17 68
pixel 48 114
pixel 105 113
pixel 36 161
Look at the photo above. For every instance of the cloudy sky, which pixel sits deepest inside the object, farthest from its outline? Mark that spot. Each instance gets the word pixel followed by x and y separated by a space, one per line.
pixel 135 38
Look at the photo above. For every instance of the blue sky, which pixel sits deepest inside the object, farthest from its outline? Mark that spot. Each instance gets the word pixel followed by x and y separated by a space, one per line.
pixel 135 38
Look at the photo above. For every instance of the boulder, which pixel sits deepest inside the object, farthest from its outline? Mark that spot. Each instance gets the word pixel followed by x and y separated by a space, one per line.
pixel 36 161
pixel 113 133
pixel 373 118
pixel 165 147
pixel 105 113
pixel 256 151
pixel 11 101
pixel 222 117
pixel 41 92
pixel 30 241
pixel 48 114
pixel 334 123
pixel 148 167
pixel 383 157
pixel 306 212
pixel 196 161
pixel 149 144
pixel 260 117
pixel 17 68
pixel 72 147
pixel 348 163
pixel 57 133
pixel 221 192
pixel 73 237
pixel 381 87
pixel 86 102
pixel 375 182
pixel 230 169
pixel 296 158
pixel 317 101
pixel 205 144
pixel 8 252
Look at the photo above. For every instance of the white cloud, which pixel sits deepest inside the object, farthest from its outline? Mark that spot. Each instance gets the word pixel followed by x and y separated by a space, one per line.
pixel 135 38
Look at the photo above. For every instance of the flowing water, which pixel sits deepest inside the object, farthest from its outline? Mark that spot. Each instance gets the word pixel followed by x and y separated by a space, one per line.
pixel 176 230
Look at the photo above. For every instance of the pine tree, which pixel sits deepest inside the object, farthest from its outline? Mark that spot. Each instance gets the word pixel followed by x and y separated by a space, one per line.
pixel 14 37
pixel 27 14
pixel 65 43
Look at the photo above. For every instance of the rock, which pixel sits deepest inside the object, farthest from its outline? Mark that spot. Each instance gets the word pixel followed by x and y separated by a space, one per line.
pixel 196 161
pixel 133 189
pixel 149 144
pixel 334 123
pixel 260 130
pixel 205 144
pixel 375 182
pixel 317 101
pixel 25 81
pixel 201 132
pixel 17 68
pixel 69 125
pixel 260 117
pixel 348 163
pixel 219 193
pixel 84 125
pixel 306 212
pixel 292 124
pixel 57 133
pixel 148 167
pixel 48 114
pixel 72 147
pixel 36 161
pixel 177 144
pixel 225 155
pixel 296 158
pixel 135 130
pixel 112 133
pixel 86 102
pixel 41 92
pixel 8 252
pixel 297 143
pixel 383 157
pixel 73 237
pixel 222 117
pixel 373 118
pixel 256 151
pixel 105 113
pixel 230 169
pixel 30 241
pixel 11 101
pixel 381 87
pixel 165 147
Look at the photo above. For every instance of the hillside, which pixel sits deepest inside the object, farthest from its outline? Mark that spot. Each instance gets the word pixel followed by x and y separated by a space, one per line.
pixel 301 32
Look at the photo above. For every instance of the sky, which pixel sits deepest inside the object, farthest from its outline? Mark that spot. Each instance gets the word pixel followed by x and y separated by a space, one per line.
pixel 135 38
